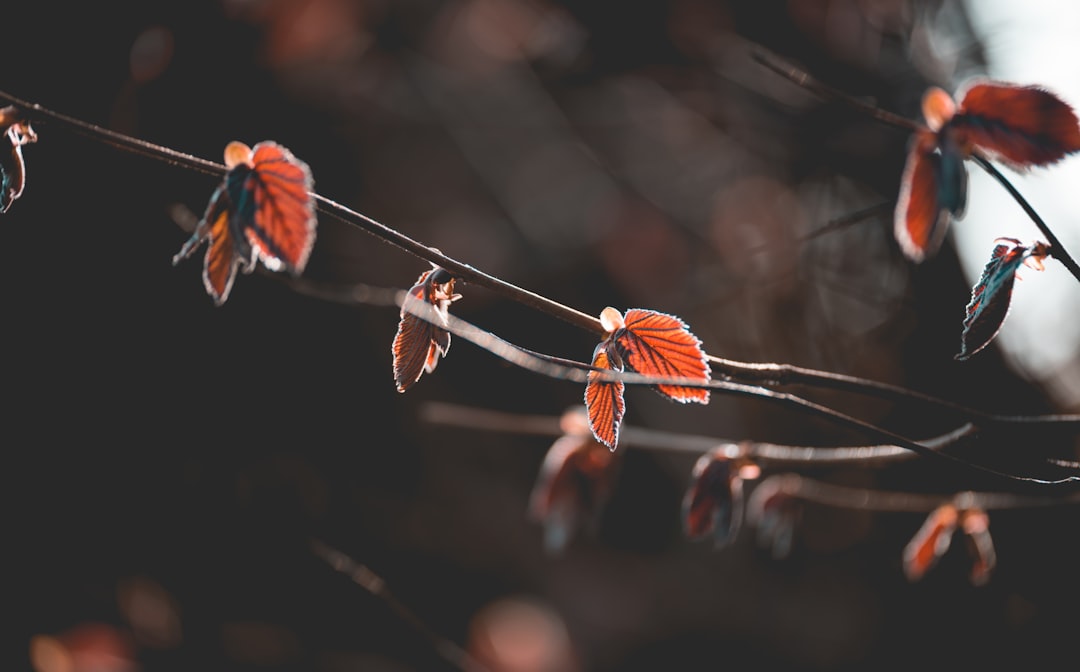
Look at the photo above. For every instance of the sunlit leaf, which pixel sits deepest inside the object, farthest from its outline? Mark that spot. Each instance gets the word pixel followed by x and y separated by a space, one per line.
pixel 922 217
pixel 420 340
pixel 1018 125
pixel 930 542
pixel 574 483
pixel 263 210
pixel 16 132
pixel 273 207
pixel 604 398
pixel 991 296
pixel 661 345
pixel 648 343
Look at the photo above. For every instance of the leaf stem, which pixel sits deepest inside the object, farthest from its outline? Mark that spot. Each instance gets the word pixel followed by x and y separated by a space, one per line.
pixel 1057 250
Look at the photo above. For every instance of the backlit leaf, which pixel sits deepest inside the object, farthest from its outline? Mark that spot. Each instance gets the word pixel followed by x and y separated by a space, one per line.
pixel 976 526
pixel 262 210
pixel 991 296
pixel 15 131
pixel 1018 125
pixel 661 345
pixel 930 542
pixel 933 189
pixel 604 398
pixel 420 340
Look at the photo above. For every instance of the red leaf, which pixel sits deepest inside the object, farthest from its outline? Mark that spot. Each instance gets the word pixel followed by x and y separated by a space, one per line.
pixel 276 211
pixel 16 132
pixel 221 261
pixel 604 399
pixel 1018 125
pixel 661 345
pixel 921 215
pixel 976 526
pixel 573 484
pixel 991 296
pixel 419 343
pixel 930 542
pixel 713 503
pixel 262 210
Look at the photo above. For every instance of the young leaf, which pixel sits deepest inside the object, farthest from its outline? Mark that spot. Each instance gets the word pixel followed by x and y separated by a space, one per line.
pixel 419 343
pixel 924 206
pixel 574 483
pixel 976 526
pixel 1021 126
pixel 930 542
pixel 661 345
pixel 713 504
pixel 603 398
pixel 649 343
pixel 991 296
pixel 263 210
pixel 16 132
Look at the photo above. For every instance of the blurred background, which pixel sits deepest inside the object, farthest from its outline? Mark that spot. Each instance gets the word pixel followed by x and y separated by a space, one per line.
pixel 169 461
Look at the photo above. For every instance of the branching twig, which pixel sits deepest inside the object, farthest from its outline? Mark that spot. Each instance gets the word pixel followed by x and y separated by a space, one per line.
pixel 764 373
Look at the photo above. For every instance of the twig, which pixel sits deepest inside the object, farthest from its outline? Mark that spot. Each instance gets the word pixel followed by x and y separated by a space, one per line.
pixel 771 373
pixel 865 499
pixel 457 415
pixel 362 576
pixel 1057 250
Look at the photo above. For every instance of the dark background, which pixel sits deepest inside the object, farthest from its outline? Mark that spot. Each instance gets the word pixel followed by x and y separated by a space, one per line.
pixel 599 153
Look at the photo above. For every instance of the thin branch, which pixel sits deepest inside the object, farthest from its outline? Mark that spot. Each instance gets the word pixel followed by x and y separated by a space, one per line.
pixel 866 499
pixel 1057 250
pixel 580 372
pixel 754 372
pixel 362 576
pixel 574 422
pixel 811 84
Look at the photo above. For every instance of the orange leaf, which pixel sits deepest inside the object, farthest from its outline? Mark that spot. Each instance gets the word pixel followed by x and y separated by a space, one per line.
pixel 1018 125
pixel 262 210
pixel 604 399
pixel 922 215
pixel 274 207
pixel 930 542
pixel 661 345
pixel 419 343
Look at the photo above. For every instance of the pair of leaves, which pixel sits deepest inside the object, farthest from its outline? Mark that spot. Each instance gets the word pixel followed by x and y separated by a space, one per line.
pixel 645 342
pixel 934 538
pixel 419 342
pixel 992 295
pixel 15 131
pixel 1021 126
pixel 263 210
